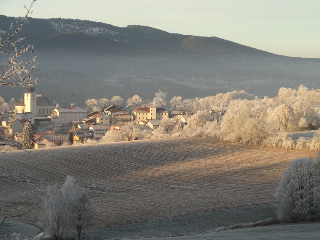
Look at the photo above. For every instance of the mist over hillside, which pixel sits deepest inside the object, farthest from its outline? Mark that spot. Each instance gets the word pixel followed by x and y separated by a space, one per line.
pixel 78 60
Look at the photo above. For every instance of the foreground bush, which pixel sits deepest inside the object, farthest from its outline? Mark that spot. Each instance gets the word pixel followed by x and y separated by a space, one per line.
pixel 298 193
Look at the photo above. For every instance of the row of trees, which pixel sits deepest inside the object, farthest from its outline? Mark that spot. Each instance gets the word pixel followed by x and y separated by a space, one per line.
pixel 134 101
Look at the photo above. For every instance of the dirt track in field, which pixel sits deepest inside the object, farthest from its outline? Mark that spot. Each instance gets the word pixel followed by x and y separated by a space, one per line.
pixel 146 180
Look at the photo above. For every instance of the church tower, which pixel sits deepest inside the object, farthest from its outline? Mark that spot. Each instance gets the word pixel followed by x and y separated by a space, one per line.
pixel 30 100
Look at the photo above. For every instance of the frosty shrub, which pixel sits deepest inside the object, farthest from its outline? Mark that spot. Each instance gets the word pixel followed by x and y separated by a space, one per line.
pixel 315 142
pixel 91 142
pixel 297 193
pixel 112 136
pixel 303 143
pixel 196 124
pixel 66 143
pixel 69 207
pixel 133 131
pixel 51 145
pixel 166 128
pixel 7 148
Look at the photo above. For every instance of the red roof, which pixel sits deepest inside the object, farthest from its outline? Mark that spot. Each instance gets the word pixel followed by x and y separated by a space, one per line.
pixel 141 109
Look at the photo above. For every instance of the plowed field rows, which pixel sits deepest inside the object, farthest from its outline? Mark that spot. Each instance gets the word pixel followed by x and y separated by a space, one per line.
pixel 145 180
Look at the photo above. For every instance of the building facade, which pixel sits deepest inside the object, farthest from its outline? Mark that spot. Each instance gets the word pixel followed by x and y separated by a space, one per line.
pixel 149 113
pixel 37 105
pixel 68 115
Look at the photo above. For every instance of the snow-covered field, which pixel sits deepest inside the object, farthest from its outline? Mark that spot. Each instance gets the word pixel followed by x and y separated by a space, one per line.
pixel 148 180
pixel 308 231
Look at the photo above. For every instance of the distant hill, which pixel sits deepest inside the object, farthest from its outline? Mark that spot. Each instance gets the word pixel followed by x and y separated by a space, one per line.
pixel 80 59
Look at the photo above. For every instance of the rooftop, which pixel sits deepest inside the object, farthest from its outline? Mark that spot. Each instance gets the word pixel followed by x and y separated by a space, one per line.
pixel 141 109
pixel 44 101
pixel 100 127
pixel 71 110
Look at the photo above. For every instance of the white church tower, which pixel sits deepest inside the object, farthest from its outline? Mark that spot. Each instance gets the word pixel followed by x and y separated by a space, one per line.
pixel 30 100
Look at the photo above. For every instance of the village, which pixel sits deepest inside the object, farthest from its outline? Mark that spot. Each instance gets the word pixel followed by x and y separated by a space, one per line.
pixel 55 126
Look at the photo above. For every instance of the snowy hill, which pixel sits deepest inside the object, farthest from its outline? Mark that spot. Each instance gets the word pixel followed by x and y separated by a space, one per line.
pixel 95 60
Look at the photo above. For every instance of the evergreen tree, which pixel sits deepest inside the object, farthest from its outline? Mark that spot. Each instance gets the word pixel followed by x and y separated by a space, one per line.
pixel 28 137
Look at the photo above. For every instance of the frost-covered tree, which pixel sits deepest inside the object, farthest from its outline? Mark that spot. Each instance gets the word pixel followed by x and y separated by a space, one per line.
pixel 4 106
pixel 54 212
pixel 188 104
pixel 79 211
pixel 167 127
pixel 176 103
pixel 117 100
pixel 27 136
pixel 81 214
pixel 134 101
pixel 103 102
pixel 113 136
pixel 69 207
pixel 133 131
pixel 159 99
pixel 14 71
pixel 93 104
pixel 297 195
pixel 283 117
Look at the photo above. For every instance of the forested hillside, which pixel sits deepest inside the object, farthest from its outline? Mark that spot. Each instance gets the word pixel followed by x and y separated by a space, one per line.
pixel 78 60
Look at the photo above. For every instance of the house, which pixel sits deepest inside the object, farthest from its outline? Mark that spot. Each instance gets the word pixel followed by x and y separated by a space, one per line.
pixel 39 145
pixel 149 113
pixel 26 116
pixel 121 118
pixel 18 137
pixel 12 127
pixel 81 136
pixel 104 119
pixel 154 124
pixel 83 126
pixel 35 104
pixel 41 140
pixel 99 128
pixel 68 115
pixel 112 109
pixel 92 118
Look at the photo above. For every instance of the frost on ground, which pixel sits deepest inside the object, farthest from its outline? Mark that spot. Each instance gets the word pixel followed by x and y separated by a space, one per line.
pixel 11 227
pixel 308 231
pixel 147 180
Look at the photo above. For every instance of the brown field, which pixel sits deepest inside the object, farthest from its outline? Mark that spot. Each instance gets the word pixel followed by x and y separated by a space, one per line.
pixel 146 180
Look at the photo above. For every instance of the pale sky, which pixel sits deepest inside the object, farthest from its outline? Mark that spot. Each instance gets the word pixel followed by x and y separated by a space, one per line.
pixel 286 27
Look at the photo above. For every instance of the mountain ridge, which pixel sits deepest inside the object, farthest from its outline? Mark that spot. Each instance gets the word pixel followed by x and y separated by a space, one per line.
pixel 101 60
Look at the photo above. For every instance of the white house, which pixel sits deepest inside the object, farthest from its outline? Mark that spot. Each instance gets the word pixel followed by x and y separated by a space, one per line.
pixel 149 113
pixel 68 115
pixel 37 105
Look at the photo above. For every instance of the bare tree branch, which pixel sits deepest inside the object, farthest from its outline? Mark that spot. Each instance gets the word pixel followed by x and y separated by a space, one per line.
pixel 12 71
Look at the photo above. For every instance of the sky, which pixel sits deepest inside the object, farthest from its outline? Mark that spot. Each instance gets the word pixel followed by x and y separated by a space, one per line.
pixel 285 27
